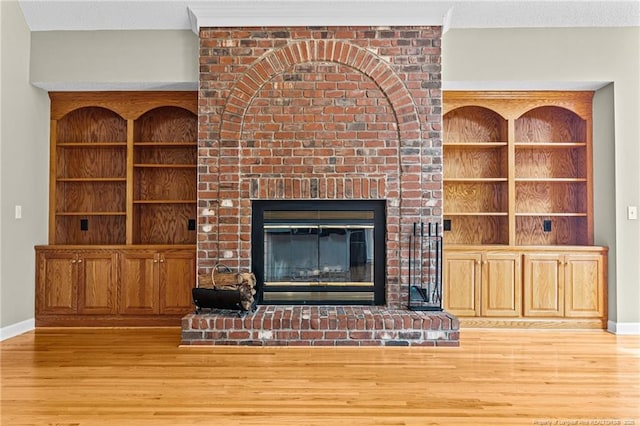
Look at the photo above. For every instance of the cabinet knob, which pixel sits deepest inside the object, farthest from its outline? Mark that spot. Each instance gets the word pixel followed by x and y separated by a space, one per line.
pixel 162 260
pixel 73 261
pixel 155 260
pixel 79 260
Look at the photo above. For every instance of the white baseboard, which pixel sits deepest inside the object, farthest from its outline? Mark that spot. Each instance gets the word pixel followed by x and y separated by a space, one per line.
pixel 623 327
pixel 17 329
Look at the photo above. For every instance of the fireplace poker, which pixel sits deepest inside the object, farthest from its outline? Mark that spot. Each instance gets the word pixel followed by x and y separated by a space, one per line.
pixel 421 259
pixel 435 292
pixel 411 235
pixel 413 258
pixel 429 260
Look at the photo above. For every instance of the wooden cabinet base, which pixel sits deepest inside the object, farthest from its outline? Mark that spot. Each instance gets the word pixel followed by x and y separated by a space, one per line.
pixel 111 286
pixel 561 287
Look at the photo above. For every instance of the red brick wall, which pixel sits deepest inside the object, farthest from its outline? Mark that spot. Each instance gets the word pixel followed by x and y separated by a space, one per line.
pixel 318 113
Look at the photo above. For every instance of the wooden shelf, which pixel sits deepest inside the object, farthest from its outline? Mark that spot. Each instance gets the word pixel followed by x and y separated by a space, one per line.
pixel 166 166
pixel 164 223
pixel 549 180
pixel 467 196
pixel 124 162
pixel 527 158
pixel 90 145
pixel 476 176
pixel 540 145
pixel 475 145
pixel 105 179
pixel 165 176
pixel 549 214
pixel 165 201
pixel 477 229
pixel 475 180
pixel 475 161
pixel 93 213
pixel 477 214
pixel 165 144
pixel 565 231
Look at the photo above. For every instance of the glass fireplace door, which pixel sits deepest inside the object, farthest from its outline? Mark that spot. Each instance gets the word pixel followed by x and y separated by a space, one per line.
pixel 318 255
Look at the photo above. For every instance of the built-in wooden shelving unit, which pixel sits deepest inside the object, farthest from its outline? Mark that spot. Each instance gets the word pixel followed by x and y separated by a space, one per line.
pixel 518 183
pixel 123 210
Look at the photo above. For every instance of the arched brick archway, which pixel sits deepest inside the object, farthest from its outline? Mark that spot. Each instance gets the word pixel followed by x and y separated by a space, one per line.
pixel 280 60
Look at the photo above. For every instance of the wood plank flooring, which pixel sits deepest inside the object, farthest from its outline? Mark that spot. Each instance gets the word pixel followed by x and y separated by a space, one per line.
pixel 143 377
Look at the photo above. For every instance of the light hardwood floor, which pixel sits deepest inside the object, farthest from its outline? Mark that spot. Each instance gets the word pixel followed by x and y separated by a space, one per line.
pixel 143 377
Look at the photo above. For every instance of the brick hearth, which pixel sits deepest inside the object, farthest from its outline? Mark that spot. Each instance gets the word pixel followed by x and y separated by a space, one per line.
pixel 274 325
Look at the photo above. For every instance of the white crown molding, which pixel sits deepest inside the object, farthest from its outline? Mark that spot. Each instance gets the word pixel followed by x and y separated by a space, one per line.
pixel 286 13
pixel 85 86
pixel 523 85
pixel 92 15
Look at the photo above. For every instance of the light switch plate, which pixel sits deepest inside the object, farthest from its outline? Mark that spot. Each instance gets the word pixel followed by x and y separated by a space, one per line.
pixel 632 212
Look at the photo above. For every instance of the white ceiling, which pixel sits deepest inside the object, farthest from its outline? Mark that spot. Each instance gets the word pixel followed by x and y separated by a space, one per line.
pixel 51 15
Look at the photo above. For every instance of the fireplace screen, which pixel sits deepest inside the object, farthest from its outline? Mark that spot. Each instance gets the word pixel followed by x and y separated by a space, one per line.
pixel 335 255
pixel 316 255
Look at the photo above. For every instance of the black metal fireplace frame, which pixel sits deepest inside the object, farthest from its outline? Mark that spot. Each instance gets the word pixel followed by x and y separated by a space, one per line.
pixel 378 207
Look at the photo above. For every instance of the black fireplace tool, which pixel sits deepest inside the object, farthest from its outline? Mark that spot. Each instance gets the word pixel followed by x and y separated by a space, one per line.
pixel 425 267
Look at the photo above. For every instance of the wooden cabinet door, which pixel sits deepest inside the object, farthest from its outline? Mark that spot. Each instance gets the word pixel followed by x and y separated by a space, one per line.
pixel 501 285
pixel 57 291
pixel 97 272
pixel 138 283
pixel 177 278
pixel 543 285
pixel 461 283
pixel 584 285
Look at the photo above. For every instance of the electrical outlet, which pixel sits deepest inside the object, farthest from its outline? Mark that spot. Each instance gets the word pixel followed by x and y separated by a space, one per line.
pixel 546 225
pixel 191 224
pixel 446 225
pixel 84 224
pixel 632 213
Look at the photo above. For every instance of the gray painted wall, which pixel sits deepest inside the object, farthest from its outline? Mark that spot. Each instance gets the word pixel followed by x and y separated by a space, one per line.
pixel 117 60
pixel 24 168
pixel 169 59
pixel 604 193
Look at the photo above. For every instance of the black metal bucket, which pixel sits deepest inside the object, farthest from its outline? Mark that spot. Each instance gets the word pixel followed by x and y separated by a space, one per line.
pixel 212 298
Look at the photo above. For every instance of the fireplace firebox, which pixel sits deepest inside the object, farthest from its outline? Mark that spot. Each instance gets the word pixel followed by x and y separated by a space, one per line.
pixel 319 252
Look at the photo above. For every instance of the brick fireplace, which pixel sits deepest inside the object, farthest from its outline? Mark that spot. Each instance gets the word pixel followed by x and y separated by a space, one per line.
pixel 319 114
